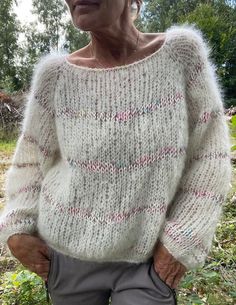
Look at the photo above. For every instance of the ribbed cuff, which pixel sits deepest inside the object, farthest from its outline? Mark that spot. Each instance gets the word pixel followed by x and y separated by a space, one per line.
pixel 190 258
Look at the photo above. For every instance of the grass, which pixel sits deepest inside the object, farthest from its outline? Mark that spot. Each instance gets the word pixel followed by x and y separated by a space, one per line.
pixel 6 151
pixel 7 147
pixel 216 281
pixel 214 284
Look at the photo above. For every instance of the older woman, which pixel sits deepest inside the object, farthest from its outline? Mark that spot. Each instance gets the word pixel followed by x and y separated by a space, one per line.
pixel 122 165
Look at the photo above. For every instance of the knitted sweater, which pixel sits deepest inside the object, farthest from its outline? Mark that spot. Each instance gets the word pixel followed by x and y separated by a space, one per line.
pixel 110 160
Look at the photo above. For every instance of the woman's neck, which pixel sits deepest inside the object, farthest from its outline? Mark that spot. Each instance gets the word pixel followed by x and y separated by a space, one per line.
pixel 113 46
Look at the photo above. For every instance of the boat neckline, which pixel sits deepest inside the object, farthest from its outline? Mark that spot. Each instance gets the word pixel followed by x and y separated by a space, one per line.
pixel 121 67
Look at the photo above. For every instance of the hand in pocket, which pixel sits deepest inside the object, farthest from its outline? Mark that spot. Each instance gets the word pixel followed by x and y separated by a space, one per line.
pixel 168 268
pixel 32 252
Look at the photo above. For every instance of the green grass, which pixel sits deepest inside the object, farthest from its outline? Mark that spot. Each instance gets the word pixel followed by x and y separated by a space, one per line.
pixel 215 283
pixel 7 147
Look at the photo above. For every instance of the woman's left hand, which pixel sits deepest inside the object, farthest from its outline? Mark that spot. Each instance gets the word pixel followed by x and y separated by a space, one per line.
pixel 167 267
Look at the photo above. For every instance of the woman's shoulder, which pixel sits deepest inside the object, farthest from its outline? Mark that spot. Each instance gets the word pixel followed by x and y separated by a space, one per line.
pixel 47 67
pixel 49 61
pixel 185 33
pixel 187 41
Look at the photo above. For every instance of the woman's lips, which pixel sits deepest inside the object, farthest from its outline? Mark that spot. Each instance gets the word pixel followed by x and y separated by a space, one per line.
pixel 86 3
pixel 85 6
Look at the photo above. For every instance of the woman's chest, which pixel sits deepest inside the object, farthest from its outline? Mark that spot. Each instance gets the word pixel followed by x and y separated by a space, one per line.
pixel 118 121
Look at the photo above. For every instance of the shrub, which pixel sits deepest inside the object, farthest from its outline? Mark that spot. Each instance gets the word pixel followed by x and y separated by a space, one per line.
pixel 22 287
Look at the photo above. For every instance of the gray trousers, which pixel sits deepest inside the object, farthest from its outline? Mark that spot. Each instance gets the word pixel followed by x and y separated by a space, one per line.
pixel 77 282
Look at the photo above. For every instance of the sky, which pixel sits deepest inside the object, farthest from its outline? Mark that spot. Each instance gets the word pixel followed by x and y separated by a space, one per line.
pixel 23 11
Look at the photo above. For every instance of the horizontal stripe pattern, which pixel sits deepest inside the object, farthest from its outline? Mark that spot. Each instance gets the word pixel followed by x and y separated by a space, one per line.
pixel 25 165
pixel 98 166
pixel 179 235
pixel 44 104
pixel 170 101
pixel 103 217
pixel 204 194
pixel 207 116
pixel 212 156
pixel 122 116
pixel 33 188
pixel 45 151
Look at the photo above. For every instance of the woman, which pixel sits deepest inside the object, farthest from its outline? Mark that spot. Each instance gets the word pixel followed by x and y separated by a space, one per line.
pixel 122 166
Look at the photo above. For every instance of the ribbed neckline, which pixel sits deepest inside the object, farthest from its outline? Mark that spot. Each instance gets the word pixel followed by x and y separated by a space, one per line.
pixel 122 67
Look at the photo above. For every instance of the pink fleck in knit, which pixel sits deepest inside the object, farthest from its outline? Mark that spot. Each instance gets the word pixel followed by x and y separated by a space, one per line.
pixel 110 160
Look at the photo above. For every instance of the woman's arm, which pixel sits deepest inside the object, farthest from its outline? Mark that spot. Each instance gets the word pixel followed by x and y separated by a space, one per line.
pixel 197 206
pixel 35 152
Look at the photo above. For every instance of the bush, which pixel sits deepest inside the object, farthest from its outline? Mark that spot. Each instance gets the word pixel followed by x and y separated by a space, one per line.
pixel 22 287
pixel 230 102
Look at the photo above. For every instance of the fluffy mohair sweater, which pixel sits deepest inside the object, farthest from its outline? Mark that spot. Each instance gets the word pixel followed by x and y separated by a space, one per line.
pixel 111 160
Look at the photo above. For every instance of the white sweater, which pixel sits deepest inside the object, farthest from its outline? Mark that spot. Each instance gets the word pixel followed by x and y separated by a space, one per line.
pixel 110 160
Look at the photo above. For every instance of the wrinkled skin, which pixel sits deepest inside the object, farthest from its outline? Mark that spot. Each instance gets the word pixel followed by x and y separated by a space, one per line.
pixel 168 268
pixel 32 252
pixel 114 38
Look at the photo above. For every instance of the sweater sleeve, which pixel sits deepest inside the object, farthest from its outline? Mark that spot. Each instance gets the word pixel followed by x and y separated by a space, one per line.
pixel 197 205
pixel 35 152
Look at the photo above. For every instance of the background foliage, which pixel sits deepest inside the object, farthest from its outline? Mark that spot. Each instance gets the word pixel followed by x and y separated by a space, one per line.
pixel 215 18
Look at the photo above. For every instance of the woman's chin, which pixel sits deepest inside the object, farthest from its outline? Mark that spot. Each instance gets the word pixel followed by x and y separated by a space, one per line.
pixel 83 23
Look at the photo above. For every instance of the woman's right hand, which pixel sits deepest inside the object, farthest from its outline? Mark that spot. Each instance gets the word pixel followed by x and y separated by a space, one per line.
pixel 32 252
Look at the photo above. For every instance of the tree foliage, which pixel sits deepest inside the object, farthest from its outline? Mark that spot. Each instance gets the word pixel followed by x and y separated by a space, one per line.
pixel 220 30
pixel 51 14
pixel 215 18
pixel 74 38
pixel 9 31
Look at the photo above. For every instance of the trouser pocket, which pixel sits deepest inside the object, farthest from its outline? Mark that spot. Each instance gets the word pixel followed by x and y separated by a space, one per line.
pixel 51 266
pixel 50 272
pixel 161 284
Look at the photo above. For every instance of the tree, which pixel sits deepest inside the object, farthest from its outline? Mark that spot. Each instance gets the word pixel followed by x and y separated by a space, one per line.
pixel 51 14
pixel 30 50
pixel 215 18
pixel 218 23
pixel 160 14
pixel 74 38
pixel 40 37
pixel 9 30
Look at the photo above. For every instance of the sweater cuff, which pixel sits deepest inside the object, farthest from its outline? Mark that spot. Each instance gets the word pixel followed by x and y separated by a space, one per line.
pixel 26 226
pixel 181 248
